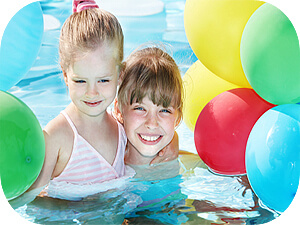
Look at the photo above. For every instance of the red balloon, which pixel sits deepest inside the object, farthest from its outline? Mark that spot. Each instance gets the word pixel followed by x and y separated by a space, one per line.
pixel 223 127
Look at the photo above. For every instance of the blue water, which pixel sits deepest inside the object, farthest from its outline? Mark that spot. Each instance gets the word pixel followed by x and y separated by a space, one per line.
pixel 187 193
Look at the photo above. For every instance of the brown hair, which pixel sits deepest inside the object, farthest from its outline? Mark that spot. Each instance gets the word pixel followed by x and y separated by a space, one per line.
pixel 151 72
pixel 84 31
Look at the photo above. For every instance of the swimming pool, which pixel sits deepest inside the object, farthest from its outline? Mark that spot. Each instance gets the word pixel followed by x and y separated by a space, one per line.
pixel 187 194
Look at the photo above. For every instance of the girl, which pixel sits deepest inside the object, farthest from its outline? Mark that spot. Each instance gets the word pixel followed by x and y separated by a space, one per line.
pixel 85 144
pixel 150 100
pixel 150 104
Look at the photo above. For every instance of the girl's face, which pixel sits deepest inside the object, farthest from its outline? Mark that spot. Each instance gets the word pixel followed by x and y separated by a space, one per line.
pixel 149 128
pixel 93 80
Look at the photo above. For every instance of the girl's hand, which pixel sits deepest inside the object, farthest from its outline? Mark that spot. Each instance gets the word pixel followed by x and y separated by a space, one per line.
pixel 168 153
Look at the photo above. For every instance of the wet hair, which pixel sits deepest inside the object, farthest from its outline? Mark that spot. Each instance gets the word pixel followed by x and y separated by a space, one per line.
pixel 151 72
pixel 84 31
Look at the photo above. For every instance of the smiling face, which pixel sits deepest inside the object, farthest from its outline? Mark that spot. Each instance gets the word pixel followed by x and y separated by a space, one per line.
pixel 92 80
pixel 150 102
pixel 149 127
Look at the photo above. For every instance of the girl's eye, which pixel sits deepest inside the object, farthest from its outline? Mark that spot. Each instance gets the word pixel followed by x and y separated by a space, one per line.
pixel 138 108
pixel 166 111
pixel 79 81
pixel 103 81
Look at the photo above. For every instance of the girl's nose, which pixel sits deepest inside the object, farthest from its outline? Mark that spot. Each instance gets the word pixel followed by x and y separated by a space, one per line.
pixel 92 90
pixel 152 121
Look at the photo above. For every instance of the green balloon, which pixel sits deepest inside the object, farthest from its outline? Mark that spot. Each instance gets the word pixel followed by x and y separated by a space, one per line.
pixel 22 146
pixel 270 55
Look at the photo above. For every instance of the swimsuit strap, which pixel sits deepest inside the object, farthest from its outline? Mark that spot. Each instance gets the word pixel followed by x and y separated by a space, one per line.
pixel 69 121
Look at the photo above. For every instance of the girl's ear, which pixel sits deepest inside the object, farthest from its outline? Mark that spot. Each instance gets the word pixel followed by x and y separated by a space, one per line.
pixel 117 112
pixel 178 121
pixel 64 75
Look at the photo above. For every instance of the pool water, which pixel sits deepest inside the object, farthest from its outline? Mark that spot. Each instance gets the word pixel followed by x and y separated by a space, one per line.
pixel 186 193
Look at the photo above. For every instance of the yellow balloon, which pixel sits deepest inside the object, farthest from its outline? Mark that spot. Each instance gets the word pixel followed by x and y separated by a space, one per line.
pixel 200 86
pixel 214 30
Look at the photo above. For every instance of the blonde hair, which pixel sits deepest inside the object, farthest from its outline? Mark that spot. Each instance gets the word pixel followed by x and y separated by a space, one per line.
pixel 151 72
pixel 84 31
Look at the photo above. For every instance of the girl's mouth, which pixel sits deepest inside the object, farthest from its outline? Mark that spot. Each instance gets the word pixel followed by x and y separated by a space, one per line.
pixel 92 104
pixel 150 139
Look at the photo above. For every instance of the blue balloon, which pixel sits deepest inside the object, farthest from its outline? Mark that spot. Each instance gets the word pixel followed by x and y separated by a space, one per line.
pixel 20 44
pixel 273 156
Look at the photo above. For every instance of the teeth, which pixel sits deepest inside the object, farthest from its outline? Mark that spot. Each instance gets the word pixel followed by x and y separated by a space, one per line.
pixel 150 138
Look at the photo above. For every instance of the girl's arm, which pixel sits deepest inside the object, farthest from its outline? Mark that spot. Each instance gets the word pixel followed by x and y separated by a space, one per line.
pixel 51 154
pixel 169 153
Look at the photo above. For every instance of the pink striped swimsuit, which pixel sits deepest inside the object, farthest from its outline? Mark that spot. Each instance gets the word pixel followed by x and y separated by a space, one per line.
pixel 87 166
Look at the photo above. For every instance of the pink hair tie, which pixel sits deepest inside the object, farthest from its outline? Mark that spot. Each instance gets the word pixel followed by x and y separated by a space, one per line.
pixel 79 5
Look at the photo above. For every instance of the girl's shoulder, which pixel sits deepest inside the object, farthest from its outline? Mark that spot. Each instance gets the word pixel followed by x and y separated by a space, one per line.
pixel 58 130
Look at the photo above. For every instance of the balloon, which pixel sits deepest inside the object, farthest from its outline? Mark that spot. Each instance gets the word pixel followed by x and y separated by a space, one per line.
pixel 270 56
pixel 9 10
pixel 273 156
pixel 214 29
pixel 20 44
pixel 201 85
pixel 223 127
pixel 22 146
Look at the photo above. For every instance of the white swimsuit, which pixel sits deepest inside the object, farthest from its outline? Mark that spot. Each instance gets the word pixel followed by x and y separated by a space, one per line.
pixel 86 166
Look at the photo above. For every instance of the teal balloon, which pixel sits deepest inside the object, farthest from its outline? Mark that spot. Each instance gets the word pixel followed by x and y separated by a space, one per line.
pixel 22 146
pixel 273 156
pixel 20 44
pixel 270 56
